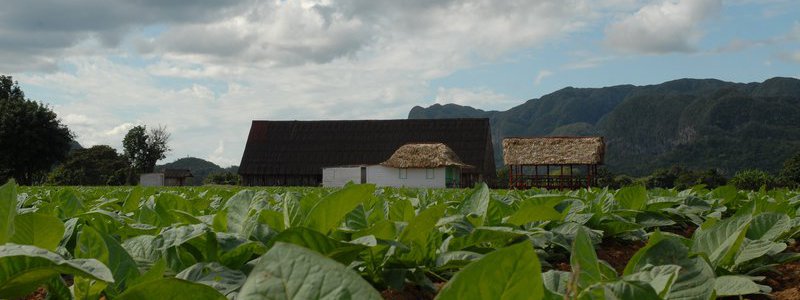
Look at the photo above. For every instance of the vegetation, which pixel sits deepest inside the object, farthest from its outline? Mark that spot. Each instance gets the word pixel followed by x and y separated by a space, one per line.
pixel 98 165
pixel 790 173
pixel 143 149
pixel 753 180
pixel 699 124
pixel 224 178
pixel 32 138
pixel 360 242
pixel 200 168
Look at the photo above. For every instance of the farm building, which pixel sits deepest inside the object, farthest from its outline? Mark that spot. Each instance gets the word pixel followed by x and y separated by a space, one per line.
pixel 429 165
pixel 553 162
pixel 170 177
pixel 295 152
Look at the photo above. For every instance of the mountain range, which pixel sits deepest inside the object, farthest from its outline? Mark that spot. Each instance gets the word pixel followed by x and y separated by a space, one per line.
pixel 695 123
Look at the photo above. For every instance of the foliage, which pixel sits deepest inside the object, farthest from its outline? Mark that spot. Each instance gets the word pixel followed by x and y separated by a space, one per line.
pixel 226 178
pixel 791 170
pixel 32 138
pixel 98 165
pixel 143 149
pixel 753 180
pixel 318 243
pixel 698 123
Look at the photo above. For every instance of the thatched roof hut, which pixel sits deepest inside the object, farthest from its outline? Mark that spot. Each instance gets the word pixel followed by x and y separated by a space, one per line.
pixel 427 155
pixel 553 151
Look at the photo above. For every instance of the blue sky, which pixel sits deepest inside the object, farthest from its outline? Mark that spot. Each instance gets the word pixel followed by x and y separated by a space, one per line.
pixel 205 69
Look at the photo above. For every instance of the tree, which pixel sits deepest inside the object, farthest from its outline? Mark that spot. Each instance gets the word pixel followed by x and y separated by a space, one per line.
pixel 98 165
pixel 223 178
pixel 143 149
pixel 32 139
pixel 791 170
pixel 752 180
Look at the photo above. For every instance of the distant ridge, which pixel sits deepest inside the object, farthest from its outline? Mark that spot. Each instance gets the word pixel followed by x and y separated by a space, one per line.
pixel 698 123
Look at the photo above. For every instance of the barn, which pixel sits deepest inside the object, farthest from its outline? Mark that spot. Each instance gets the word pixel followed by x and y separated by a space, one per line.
pixel 419 165
pixel 567 162
pixel 293 153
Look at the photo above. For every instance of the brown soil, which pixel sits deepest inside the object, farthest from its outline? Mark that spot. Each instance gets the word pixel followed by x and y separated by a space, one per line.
pixel 785 281
pixel 617 253
pixel 682 230
pixel 411 292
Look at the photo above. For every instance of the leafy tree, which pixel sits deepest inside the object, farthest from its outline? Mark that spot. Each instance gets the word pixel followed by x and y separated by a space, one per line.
pixel 32 139
pixel 753 180
pixel 226 178
pixel 791 170
pixel 143 149
pixel 98 165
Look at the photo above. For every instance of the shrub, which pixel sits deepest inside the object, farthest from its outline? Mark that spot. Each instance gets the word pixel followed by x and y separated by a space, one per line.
pixel 790 173
pixel 226 178
pixel 753 180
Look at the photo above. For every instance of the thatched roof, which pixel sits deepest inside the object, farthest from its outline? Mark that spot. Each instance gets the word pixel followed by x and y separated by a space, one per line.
pixel 288 148
pixel 553 150
pixel 423 155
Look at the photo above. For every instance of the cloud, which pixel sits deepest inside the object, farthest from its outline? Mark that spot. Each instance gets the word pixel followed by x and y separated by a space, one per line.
pixel 542 75
pixel 206 68
pixel 662 27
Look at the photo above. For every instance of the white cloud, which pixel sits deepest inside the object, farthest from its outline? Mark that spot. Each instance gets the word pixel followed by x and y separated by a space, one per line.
pixel 542 75
pixel 207 74
pixel 662 27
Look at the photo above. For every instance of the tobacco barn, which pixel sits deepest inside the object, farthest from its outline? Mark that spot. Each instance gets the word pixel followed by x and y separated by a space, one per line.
pixel 294 153
pixel 553 162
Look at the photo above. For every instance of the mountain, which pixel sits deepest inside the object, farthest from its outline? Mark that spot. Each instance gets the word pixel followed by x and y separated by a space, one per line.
pixel 697 123
pixel 200 168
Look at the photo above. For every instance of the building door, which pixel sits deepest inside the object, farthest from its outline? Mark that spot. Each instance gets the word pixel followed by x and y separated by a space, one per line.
pixel 363 174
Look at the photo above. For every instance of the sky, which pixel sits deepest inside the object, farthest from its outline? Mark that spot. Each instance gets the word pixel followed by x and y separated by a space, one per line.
pixel 206 68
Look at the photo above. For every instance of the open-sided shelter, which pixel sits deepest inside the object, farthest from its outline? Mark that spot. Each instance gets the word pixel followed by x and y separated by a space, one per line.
pixel 553 162
pixel 295 152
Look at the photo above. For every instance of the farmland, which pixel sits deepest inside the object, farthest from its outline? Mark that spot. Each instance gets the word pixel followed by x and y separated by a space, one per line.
pixel 362 242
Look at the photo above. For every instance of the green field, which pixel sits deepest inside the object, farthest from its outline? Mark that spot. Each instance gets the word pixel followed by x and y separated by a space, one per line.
pixel 360 242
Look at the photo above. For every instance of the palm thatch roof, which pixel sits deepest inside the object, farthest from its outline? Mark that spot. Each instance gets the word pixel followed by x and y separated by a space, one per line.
pixel 553 150
pixel 423 155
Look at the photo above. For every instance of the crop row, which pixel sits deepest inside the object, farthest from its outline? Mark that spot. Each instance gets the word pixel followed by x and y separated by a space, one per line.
pixel 360 242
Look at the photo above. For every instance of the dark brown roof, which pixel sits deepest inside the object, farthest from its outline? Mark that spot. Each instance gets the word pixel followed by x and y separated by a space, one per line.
pixel 305 147
pixel 177 173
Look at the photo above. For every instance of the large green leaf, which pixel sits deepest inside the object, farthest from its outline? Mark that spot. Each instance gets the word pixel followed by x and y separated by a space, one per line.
pixel 292 272
pixel 476 204
pixel 23 268
pixel 529 212
pixel 8 209
pixel 768 226
pixel 695 280
pixel 583 260
pixel 40 230
pixel 340 251
pixel 217 276
pixel 733 285
pixel 509 273
pixel 171 288
pixel 326 214
pixel 660 278
pixel 93 244
pixel 621 289
pixel 721 240
pixel 632 197
pixel 420 228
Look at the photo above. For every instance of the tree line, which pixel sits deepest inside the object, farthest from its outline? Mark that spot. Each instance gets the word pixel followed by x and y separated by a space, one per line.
pixel 37 148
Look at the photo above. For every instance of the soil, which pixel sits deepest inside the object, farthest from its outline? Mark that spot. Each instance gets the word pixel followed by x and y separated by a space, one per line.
pixel 682 230
pixel 617 253
pixel 785 280
pixel 411 292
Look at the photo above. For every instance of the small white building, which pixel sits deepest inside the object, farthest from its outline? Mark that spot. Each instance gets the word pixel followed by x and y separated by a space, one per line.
pixel 169 177
pixel 430 165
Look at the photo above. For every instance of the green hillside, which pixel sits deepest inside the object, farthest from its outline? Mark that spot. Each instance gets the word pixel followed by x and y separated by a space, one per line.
pixel 200 168
pixel 696 123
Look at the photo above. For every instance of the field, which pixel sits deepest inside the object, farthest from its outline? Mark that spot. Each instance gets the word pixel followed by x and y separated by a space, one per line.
pixel 360 242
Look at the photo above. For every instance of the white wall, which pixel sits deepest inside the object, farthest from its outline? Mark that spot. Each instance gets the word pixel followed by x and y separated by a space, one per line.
pixel 151 179
pixel 339 176
pixel 386 176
